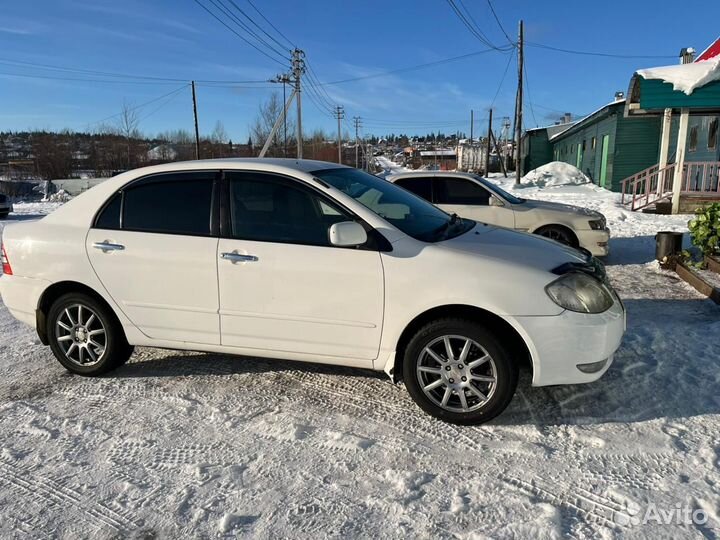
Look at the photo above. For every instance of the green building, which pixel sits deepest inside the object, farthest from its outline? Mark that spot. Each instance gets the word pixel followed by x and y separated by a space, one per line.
pixel 608 146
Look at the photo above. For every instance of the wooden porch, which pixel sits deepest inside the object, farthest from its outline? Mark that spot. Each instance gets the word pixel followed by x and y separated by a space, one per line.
pixel 698 185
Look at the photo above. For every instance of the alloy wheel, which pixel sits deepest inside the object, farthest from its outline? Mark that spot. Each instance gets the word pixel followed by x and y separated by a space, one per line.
pixel 456 373
pixel 81 335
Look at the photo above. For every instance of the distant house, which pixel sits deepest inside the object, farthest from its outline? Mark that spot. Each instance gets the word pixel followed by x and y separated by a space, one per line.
pixel 536 149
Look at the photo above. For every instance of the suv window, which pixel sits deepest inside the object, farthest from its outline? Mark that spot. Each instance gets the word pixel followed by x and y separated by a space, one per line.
pixel 460 191
pixel 176 203
pixel 269 208
pixel 3 198
pixel 419 185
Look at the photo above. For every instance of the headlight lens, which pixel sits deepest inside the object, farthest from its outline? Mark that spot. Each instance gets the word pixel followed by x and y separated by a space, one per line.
pixel 598 224
pixel 580 292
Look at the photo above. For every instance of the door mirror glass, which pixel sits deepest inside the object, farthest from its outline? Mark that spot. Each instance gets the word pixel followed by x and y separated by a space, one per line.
pixel 347 234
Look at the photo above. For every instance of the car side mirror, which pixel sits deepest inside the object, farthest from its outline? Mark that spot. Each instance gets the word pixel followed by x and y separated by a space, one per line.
pixel 347 234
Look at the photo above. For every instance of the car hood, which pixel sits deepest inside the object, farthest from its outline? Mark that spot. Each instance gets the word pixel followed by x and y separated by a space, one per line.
pixel 557 207
pixel 515 247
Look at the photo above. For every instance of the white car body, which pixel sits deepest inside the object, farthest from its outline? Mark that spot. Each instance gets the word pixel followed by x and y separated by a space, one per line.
pixel 527 216
pixel 301 302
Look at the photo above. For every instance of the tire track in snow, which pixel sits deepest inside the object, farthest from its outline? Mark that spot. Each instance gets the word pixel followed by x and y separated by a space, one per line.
pixel 47 490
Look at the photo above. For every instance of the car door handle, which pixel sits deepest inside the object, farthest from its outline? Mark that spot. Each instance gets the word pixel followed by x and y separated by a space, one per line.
pixel 238 257
pixel 108 246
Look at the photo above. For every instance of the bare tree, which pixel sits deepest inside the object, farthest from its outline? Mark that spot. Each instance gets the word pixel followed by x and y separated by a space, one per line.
pixel 219 135
pixel 268 113
pixel 127 126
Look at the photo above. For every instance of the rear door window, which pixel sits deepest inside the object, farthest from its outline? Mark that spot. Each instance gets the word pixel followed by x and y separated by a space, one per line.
pixel 419 185
pixel 460 191
pixel 174 203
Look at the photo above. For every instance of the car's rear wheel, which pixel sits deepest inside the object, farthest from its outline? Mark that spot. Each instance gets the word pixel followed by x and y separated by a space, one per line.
pixel 559 234
pixel 458 371
pixel 85 336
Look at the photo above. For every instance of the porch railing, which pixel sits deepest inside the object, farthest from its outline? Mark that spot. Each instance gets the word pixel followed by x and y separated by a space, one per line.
pixel 700 178
pixel 641 189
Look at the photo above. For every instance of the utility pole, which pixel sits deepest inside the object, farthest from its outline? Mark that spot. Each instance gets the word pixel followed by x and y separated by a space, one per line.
pixel 519 104
pixel 298 68
pixel 472 124
pixel 339 114
pixel 487 153
pixel 197 131
pixel 285 79
pixel 356 121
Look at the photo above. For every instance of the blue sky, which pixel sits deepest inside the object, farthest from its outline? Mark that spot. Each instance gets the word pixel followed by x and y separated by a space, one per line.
pixel 178 40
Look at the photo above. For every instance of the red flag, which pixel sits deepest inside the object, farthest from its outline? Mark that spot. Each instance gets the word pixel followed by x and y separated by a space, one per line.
pixel 712 51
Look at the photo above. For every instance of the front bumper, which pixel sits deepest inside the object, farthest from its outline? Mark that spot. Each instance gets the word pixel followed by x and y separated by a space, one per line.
pixel 559 344
pixel 596 242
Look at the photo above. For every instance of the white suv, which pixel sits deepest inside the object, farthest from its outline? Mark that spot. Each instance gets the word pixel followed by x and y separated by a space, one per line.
pixel 311 261
pixel 472 196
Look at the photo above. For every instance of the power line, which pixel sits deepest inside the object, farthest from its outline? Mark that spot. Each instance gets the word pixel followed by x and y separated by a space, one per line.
pixel 137 107
pixel 502 80
pixel 240 10
pixel 593 53
pixel 271 24
pixel 409 68
pixel 131 78
pixel 472 25
pixel 220 4
pixel 497 20
pixel 529 100
pixel 237 33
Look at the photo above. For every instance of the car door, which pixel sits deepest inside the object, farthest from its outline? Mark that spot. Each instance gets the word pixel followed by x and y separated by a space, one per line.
pixel 154 249
pixel 283 287
pixel 467 198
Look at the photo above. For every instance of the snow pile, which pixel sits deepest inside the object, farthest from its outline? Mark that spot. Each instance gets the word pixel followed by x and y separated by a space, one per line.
pixel 555 173
pixel 61 196
pixel 685 77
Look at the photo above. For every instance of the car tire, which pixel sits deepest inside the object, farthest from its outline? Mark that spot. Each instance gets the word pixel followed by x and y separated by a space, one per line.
pixel 85 335
pixel 480 366
pixel 559 234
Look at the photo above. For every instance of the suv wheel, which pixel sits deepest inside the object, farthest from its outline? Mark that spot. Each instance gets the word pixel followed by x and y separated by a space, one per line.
pixel 456 370
pixel 85 336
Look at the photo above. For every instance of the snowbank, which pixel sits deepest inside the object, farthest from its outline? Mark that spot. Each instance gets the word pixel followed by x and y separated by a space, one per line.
pixel 555 173
pixel 685 77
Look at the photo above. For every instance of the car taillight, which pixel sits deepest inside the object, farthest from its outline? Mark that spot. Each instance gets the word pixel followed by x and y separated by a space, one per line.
pixel 7 269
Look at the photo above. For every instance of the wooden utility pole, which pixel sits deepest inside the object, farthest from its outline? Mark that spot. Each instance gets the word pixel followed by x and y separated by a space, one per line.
pixel 197 131
pixel 298 68
pixel 502 158
pixel 472 123
pixel 339 114
pixel 487 152
pixel 356 120
pixel 519 104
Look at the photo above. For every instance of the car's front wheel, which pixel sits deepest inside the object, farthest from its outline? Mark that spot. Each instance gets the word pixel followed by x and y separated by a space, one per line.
pixel 458 371
pixel 85 336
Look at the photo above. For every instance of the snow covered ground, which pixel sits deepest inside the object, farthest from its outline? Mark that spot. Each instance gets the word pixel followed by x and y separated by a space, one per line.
pixel 203 445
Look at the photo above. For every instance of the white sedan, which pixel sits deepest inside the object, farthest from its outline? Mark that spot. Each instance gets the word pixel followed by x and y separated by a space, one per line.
pixel 309 261
pixel 472 196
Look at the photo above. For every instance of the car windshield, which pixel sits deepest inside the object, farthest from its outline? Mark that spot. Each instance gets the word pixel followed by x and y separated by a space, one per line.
pixel 512 199
pixel 411 214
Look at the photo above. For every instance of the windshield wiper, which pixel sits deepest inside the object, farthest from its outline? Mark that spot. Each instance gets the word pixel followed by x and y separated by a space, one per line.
pixel 454 218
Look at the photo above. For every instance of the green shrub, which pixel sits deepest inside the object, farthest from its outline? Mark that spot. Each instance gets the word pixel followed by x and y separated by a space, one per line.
pixel 705 229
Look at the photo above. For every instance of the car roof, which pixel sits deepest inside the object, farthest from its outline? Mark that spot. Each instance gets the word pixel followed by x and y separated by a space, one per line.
pixel 302 165
pixel 411 174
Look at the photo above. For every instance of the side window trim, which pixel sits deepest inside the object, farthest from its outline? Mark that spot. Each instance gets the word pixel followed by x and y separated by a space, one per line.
pixel 376 241
pixel 216 193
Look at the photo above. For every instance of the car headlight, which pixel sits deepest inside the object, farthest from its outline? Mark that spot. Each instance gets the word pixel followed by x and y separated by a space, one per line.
pixel 598 224
pixel 580 292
